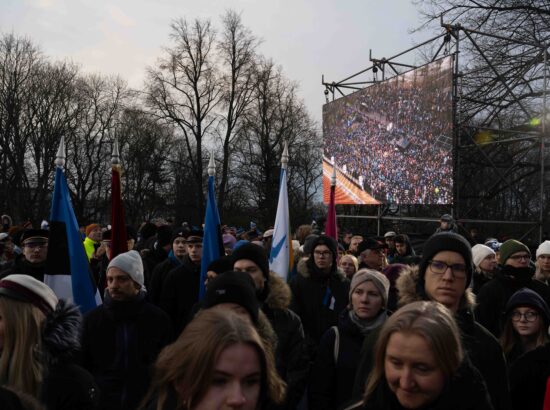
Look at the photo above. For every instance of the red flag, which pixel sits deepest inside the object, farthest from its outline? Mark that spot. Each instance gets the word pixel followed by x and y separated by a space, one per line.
pixel 119 244
pixel 331 228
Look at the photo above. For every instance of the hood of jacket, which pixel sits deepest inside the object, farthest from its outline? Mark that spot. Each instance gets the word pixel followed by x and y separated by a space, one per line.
pixel 61 333
pixel 279 296
pixel 406 286
pixel 303 270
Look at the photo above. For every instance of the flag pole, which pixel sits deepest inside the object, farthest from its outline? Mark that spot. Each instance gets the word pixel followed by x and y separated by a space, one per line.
pixel 119 243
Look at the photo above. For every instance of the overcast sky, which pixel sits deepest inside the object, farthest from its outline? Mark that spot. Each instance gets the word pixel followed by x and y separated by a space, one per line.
pixel 307 38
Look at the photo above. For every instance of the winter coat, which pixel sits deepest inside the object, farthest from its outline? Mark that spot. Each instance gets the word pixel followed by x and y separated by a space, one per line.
pixel 291 354
pixel 482 348
pixel 318 301
pixel 528 379
pixel 23 267
pixel 151 257
pixel 66 386
pixel 330 381
pixel 493 296
pixel 10 400
pixel 479 279
pixel 180 292
pixel 158 277
pixel 465 391
pixel 120 342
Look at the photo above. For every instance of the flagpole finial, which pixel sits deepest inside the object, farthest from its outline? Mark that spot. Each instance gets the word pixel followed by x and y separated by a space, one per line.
pixel 60 157
pixel 115 156
pixel 333 177
pixel 211 165
pixel 284 157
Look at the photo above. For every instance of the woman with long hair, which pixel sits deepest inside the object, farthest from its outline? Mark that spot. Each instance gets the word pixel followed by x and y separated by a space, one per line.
pixel 526 324
pixel 419 364
pixel 39 337
pixel 219 359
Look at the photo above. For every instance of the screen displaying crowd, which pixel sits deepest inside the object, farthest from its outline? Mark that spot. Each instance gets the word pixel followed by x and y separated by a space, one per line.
pixel 394 138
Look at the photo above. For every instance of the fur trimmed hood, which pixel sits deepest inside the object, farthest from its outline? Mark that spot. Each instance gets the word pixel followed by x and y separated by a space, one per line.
pixel 279 293
pixel 61 333
pixel 406 286
pixel 303 270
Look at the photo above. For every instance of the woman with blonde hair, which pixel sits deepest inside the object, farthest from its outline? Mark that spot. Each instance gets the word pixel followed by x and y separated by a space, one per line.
pixel 39 337
pixel 218 360
pixel 420 364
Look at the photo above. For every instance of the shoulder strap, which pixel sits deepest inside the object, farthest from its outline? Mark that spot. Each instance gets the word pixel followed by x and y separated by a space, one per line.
pixel 336 343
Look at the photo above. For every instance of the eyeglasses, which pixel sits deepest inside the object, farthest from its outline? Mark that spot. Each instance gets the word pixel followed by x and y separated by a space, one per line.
pixel 518 257
pixel 439 268
pixel 529 316
pixel 322 253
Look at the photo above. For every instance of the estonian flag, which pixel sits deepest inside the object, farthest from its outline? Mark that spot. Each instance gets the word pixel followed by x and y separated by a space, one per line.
pixel 67 269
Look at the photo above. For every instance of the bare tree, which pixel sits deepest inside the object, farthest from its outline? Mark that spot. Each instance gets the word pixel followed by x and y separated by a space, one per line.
pixel 237 54
pixel 183 90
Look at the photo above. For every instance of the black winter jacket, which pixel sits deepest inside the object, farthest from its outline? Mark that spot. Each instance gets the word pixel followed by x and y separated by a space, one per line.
pixel 66 385
pixel 493 296
pixel 318 301
pixel 465 391
pixel 160 273
pixel 151 257
pixel 180 292
pixel 291 354
pixel 528 379
pixel 120 342
pixel 23 267
pixel 330 382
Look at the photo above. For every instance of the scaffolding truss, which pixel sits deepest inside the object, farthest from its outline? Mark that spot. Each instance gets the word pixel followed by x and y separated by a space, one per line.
pixel 500 129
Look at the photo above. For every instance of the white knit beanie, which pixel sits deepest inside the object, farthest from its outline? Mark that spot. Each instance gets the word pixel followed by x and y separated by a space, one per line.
pixel 27 289
pixel 543 249
pixel 480 252
pixel 129 262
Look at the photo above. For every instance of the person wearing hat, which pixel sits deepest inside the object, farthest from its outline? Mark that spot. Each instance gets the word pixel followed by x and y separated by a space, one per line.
pixel 371 254
pixel 176 257
pixel 157 251
pixel 389 239
pixel 444 275
pixel 92 239
pixel 514 272
pixel 274 297
pixel 543 263
pixel 526 321
pixel 332 375
pixel 485 264
pixel 447 224
pixel 32 260
pixel 180 291
pixel 39 342
pixel 122 337
pixel 267 239
pixel 405 253
pixel 319 291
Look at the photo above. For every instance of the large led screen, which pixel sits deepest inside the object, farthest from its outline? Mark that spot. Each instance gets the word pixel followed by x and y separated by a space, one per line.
pixel 392 142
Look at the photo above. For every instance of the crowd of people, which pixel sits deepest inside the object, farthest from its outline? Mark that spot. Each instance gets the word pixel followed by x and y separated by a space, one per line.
pixel 394 138
pixel 361 322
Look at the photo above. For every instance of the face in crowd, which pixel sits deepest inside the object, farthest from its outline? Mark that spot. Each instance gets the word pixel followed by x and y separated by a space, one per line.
pixel 445 278
pixel 366 300
pixel 355 241
pixel 347 265
pixel 323 258
pixel 120 285
pixel 95 234
pixel 526 322
pixel 489 263
pixel 250 267
pixel 194 250
pixel 373 258
pixel 544 263
pixel 519 259
pixel 179 247
pixel 35 250
pixel 401 248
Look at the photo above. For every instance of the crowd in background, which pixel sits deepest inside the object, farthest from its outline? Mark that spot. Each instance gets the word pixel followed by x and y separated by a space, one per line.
pixel 361 322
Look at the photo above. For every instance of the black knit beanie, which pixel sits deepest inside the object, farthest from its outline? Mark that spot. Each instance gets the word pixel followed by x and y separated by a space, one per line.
pixel 329 242
pixel 233 287
pixel 256 254
pixel 446 241
pixel 528 297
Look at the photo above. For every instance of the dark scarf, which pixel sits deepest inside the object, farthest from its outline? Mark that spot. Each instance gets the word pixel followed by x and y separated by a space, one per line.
pixel 365 326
